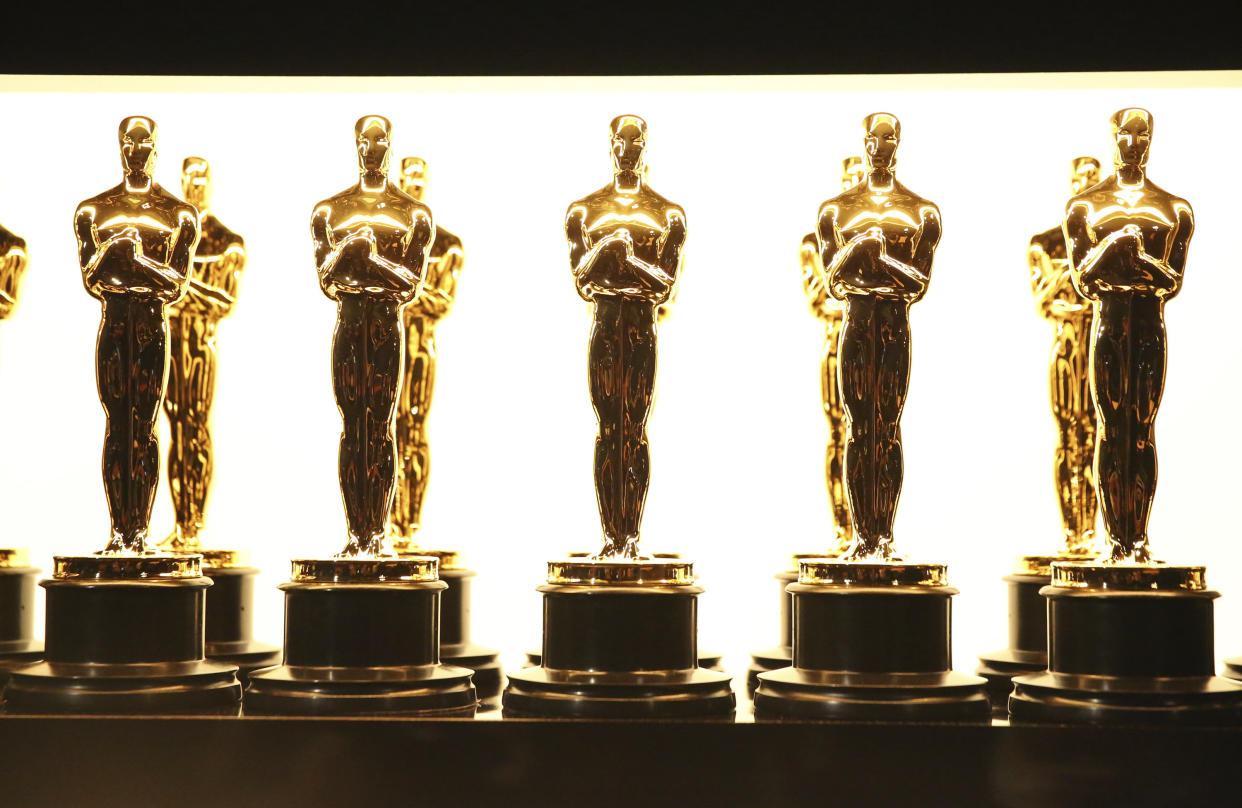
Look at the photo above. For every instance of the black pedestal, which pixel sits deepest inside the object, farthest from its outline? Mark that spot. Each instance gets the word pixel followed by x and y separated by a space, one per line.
pixel 613 651
pixel 1028 641
pixel 18 646
pixel 870 653
pixel 1128 657
pixel 778 656
pixel 362 648
pixel 120 646
pixel 455 645
pixel 230 622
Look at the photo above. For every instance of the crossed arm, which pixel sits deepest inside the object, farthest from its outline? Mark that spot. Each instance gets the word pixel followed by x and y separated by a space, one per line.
pixel 583 255
pixel 174 275
pixel 328 251
pixel 909 280
pixel 1087 254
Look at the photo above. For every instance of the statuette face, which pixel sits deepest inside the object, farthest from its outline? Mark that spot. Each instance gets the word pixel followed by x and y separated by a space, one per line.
pixel 371 244
pixel 1127 241
pixel 136 244
pixel 876 241
pixel 625 245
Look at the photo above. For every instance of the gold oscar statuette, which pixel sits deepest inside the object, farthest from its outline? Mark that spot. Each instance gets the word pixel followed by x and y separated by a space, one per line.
pixel 443 267
pixel 1130 638
pixel 361 628
pixel 876 241
pixel 625 251
pixel 215 274
pixel 18 646
pixel 1073 410
pixel 136 247
pixel 829 310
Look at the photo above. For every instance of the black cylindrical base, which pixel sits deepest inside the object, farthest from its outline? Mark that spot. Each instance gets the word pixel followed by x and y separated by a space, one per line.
pixel 612 651
pixel 1028 641
pixel 230 622
pixel 18 646
pixel 1128 657
pixel 456 647
pixel 362 649
pixel 780 655
pixel 125 646
pixel 871 654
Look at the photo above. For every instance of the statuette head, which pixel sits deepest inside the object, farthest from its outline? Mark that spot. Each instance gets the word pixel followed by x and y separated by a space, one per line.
pixel 373 133
pixel 1132 136
pixel 852 172
pixel 196 182
pixel 137 139
pixel 1084 172
pixel 629 143
pixel 413 178
pixel 883 134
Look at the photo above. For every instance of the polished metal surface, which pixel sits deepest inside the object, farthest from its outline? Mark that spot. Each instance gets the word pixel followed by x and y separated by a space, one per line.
pixel 13 557
pixel 13 261
pixel 1069 380
pixel 625 247
pixel 114 566
pixel 136 243
pixel 876 242
pixel 371 245
pixel 1127 241
pixel 648 572
pixel 841 572
pixel 1128 576
pixel 217 267
pixel 830 311
pixel 443 268
pixel 421 569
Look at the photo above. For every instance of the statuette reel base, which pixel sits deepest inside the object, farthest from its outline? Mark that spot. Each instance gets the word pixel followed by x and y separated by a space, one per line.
pixel 619 642
pixel 1119 654
pixel 230 619
pixel 866 651
pixel 781 655
pixel 362 637
pixel 456 646
pixel 1027 651
pixel 18 646
pixel 125 636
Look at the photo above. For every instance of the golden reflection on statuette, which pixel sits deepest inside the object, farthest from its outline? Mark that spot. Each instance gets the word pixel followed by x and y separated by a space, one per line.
pixel 136 244
pixel 625 248
pixel 1127 241
pixel 371 244
pixel 443 267
pixel 876 242
pixel 217 268
pixel 829 310
pixel 13 261
pixel 1069 380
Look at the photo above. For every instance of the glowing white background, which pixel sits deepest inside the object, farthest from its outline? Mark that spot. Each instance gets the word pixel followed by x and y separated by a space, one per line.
pixel 737 435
